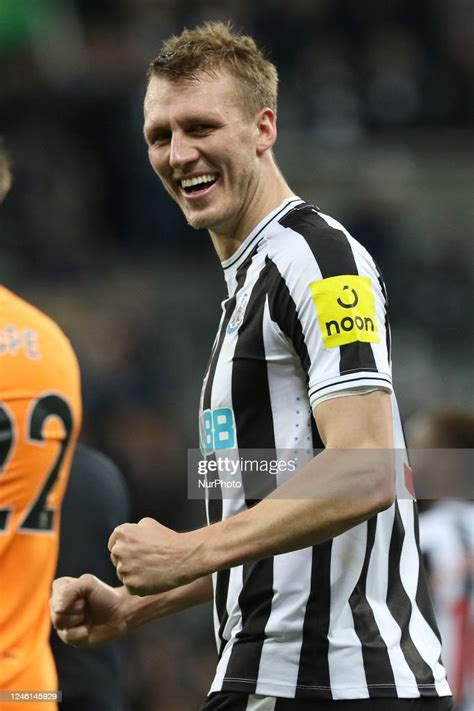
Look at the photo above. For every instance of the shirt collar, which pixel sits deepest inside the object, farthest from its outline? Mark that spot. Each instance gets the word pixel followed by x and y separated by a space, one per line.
pixel 231 265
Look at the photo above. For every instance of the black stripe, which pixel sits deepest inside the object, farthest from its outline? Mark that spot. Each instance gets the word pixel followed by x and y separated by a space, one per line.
pixel 255 602
pixel 220 599
pixel 283 311
pixel 377 667
pixel 220 701
pixel 383 289
pixel 254 427
pixel 400 607
pixel 215 504
pixel 314 662
pixel 252 242
pixel 251 395
pixel 313 391
pixel 334 256
pixel 405 447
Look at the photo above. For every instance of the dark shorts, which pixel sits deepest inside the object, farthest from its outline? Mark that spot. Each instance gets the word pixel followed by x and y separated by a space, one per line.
pixel 234 701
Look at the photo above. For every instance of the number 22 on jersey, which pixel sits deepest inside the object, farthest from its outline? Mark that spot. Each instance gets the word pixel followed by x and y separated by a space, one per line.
pixel 38 517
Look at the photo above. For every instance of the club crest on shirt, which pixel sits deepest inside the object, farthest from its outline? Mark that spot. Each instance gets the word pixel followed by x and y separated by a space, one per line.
pixel 239 313
pixel 346 309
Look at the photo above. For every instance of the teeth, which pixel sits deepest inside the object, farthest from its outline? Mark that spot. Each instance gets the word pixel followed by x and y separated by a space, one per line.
pixel 190 182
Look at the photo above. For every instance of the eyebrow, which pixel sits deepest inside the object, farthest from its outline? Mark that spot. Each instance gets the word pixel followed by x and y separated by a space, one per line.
pixel 153 128
pixel 190 120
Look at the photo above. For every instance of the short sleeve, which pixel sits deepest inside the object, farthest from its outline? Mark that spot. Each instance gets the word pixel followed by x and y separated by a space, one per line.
pixel 329 299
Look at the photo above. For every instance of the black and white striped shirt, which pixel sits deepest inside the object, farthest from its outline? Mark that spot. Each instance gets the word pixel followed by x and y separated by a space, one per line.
pixel 351 618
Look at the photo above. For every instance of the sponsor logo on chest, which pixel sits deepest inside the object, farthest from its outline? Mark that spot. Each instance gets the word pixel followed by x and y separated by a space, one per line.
pixel 239 313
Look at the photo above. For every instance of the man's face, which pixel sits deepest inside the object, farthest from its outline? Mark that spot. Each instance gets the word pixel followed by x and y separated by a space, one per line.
pixel 203 148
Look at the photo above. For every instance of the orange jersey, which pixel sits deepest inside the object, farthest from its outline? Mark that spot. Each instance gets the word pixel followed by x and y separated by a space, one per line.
pixel 40 414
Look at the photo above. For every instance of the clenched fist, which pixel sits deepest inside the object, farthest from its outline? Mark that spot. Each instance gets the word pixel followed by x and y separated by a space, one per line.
pixel 86 612
pixel 151 558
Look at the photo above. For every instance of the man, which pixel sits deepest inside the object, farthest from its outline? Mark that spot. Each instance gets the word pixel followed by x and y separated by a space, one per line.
pixel 40 413
pixel 320 600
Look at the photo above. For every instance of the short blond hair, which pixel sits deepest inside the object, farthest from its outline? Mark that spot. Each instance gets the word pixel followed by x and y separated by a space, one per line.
pixel 214 47
pixel 5 173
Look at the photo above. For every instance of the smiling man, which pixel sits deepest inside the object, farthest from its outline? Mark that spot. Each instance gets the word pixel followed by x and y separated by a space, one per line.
pixel 319 595
pixel 212 155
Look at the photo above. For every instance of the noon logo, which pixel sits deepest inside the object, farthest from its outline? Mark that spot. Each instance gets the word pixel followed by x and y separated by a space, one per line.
pixel 346 310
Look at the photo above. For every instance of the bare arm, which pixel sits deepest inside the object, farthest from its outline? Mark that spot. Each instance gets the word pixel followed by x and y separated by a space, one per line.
pixel 151 607
pixel 88 613
pixel 332 493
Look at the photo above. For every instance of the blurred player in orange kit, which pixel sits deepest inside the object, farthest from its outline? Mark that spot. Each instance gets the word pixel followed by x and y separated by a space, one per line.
pixel 40 415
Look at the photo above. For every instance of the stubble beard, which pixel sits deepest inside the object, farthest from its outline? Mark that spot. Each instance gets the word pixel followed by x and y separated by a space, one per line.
pixel 223 221
pixel 219 223
pixel 198 222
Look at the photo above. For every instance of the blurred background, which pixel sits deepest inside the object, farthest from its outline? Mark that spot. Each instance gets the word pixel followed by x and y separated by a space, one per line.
pixel 375 127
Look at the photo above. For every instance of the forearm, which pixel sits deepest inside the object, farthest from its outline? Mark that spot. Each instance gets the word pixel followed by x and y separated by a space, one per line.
pixel 349 482
pixel 150 607
pixel 332 493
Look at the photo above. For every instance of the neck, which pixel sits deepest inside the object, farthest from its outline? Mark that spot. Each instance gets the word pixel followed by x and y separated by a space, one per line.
pixel 260 202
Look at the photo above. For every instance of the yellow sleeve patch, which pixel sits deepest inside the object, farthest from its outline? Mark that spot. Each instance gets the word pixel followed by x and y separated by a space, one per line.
pixel 346 309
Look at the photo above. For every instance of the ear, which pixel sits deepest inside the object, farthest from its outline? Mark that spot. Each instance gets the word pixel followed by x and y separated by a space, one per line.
pixel 266 130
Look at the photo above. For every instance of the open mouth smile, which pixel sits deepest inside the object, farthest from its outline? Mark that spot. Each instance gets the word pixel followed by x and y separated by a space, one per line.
pixel 198 186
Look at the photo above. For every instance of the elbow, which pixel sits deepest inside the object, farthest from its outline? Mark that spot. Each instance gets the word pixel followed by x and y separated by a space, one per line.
pixel 384 503
pixel 383 494
pixel 377 469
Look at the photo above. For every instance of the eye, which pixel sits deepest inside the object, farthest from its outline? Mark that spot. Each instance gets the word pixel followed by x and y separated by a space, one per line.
pixel 158 138
pixel 201 128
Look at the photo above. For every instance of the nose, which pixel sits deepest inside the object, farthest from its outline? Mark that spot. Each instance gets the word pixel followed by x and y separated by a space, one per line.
pixel 182 151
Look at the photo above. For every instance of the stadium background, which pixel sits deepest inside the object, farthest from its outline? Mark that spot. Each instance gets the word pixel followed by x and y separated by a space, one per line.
pixel 375 117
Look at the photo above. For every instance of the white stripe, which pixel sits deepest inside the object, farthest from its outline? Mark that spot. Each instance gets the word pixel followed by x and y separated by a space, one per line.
pixel 232 501
pixel 288 397
pixel 214 611
pixel 260 703
pixel 401 454
pixel 421 633
pixel 299 272
pixel 281 652
pixel 376 381
pixel 376 592
pixel 232 264
pixel 346 665
pixel 233 626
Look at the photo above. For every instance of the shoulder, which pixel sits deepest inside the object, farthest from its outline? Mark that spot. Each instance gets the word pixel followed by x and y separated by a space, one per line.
pixel 308 245
pixel 32 338
pixel 324 234
pixel 19 312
